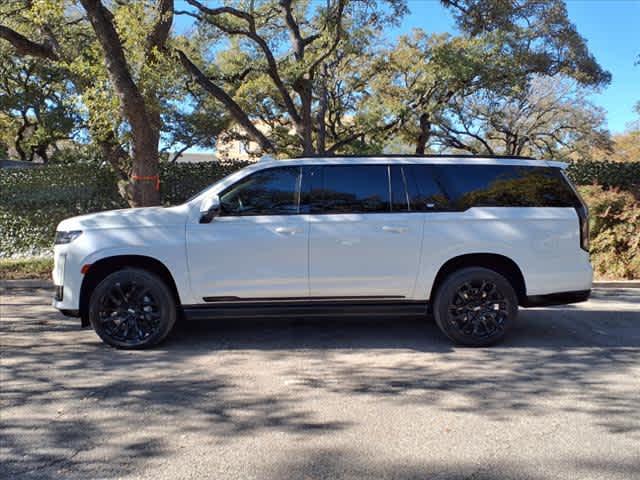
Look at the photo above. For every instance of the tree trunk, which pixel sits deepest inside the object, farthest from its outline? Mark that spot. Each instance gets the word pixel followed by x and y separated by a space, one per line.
pixel 41 151
pixel 304 129
pixel 17 144
pixel 322 112
pixel 424 135
pixel 145 182
pixel 143 190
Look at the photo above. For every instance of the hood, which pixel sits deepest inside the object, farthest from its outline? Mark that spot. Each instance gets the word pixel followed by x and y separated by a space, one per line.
pixel 126 218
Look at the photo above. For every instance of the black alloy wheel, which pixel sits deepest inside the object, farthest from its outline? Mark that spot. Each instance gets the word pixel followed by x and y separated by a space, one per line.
pixel 132 309
pixel 475 306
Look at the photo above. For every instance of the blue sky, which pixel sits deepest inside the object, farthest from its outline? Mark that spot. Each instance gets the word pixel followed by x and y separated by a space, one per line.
pixel 611 28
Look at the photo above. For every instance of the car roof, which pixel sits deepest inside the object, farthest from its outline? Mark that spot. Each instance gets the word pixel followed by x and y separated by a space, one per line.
pixel 413 159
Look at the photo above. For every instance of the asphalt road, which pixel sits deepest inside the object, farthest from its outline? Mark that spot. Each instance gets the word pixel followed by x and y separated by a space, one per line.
pixel 324 399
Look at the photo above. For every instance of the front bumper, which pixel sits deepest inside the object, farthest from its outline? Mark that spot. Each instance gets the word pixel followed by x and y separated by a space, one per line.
pixel 67 278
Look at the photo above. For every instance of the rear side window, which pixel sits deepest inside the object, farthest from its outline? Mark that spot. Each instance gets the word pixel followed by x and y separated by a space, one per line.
pixel 267 192
pixel 346 189
pixel 505 186
pixel 425 191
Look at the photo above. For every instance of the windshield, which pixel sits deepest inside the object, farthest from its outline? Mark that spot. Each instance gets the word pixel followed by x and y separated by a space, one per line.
pixel 193 197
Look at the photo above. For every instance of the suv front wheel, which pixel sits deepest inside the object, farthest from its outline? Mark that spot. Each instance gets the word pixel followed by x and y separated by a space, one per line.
pixel 132 309
pixel 475 307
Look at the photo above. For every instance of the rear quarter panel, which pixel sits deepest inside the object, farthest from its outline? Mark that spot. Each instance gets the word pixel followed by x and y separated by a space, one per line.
pixel 543 242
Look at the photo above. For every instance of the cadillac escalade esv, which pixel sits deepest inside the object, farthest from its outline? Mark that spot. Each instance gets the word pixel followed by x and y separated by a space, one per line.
pixel 465 239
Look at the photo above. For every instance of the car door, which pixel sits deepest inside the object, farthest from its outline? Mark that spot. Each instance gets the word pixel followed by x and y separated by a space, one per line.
pixel 258 246
pixel 361 243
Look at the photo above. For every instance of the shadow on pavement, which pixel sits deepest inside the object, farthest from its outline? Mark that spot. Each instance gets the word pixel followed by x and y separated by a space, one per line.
pixel 185 387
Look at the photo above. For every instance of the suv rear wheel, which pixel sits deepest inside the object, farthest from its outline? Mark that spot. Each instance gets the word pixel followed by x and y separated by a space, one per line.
pixel 475 307
pixel 132 309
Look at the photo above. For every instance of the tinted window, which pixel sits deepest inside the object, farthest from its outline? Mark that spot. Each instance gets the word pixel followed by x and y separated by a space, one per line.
pixel 505 186
pixel 267 192
pixel 425 192
pixel 399 197
pixel 346 189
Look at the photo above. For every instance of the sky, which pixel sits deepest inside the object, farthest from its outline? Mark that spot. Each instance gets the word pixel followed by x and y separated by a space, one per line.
pixel 612 31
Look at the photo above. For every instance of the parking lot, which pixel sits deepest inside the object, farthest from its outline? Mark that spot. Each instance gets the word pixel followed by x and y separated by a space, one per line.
pixel 324 399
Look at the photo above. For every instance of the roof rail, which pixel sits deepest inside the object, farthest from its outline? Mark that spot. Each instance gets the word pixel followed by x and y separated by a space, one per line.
pixel 426 155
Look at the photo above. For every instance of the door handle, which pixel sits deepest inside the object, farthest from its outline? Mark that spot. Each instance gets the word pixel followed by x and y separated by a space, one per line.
pixel 388 228
pixel 289 230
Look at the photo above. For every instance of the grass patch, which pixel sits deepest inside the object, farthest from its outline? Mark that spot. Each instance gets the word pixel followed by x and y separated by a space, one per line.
pixel 26 268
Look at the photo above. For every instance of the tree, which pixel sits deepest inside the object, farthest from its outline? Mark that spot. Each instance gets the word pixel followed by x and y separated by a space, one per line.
pixel 299 79
pixel 535 34
pixel 37 107
pixel 191 120
pixel 420 76
pixel 551 117
pixel 287 44
pixel 436 84
pixel 138 97
pixel 133 67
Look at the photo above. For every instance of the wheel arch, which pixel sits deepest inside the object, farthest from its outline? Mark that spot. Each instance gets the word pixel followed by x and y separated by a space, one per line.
pixel 107 265
pixel 501 264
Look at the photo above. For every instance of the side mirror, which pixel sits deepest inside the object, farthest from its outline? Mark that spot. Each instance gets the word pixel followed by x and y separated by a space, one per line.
pixel 209 209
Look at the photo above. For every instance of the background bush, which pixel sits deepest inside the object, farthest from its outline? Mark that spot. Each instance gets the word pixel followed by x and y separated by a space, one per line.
pixel 607 174
pixel 614 232
pixel 33 201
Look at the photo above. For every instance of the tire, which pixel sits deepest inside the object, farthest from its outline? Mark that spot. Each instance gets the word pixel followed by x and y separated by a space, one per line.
pixel 132 309
pixel 475 307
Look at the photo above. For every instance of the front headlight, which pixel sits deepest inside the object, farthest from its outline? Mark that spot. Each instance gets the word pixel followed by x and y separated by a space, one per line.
pixel 66 237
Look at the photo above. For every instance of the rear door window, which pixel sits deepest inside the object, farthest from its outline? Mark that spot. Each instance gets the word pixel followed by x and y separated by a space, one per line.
pixel 426 194
pixel 504 186
pixel 346 189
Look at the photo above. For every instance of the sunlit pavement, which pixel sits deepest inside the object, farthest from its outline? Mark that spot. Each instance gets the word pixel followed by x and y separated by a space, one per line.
pixel 310 399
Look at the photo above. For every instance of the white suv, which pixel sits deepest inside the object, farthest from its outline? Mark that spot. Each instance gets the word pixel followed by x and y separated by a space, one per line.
pixel 468 239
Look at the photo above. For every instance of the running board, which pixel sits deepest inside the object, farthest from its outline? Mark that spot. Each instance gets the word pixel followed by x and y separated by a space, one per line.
pixel 299 308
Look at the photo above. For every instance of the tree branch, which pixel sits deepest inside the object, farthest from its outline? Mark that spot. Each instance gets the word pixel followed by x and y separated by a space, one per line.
pixel 24 46
pixel 219 94
pixel 162 27
pixel 294 30
pixel 132 102
pixel 252 34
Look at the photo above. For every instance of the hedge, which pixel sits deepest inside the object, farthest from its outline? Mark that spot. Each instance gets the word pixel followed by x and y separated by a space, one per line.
pixel 607 174
pixel 33 201
pixel 614 232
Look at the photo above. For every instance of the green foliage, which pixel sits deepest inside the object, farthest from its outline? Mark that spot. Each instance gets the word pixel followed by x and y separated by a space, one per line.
pixel 608 174
pixel 615 232
pixel 33 201
pixel 537 34
pixel 179 181
pixel 37 106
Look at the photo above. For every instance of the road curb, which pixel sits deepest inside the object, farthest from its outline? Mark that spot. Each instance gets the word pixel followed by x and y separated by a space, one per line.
pixel 34 283
pixel 617 284
pixel 27 283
